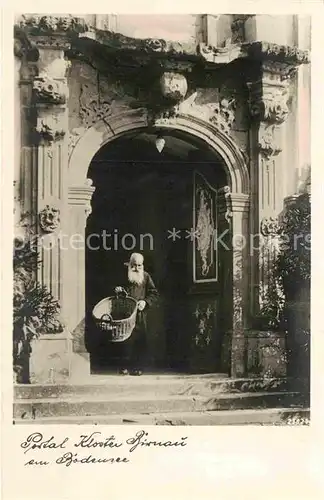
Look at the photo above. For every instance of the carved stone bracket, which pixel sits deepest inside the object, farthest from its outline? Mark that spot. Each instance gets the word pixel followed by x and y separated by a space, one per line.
pixel 49 219
pixel 269 226
pixel 269 103
pixel 50 127
pixel 50 91
pixel 173 86
pixel 268 146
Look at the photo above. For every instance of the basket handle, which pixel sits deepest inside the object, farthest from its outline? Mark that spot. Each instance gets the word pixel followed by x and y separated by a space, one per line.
pixel 106 317
pixel 122 292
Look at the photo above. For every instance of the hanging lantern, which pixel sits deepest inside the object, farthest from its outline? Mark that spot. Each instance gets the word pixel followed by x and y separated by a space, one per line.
pixel 159 143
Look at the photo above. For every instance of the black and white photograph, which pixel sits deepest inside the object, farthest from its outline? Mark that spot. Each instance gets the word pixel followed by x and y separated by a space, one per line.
pixel 162 219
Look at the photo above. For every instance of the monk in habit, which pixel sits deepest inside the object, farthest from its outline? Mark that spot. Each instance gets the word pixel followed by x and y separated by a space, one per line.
pixel 139 285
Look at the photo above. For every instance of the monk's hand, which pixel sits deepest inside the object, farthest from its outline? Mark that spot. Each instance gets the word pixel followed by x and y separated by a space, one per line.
pixel 141 305
pixel 118 289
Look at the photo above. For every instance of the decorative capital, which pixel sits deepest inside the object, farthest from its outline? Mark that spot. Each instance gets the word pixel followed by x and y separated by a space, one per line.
pixel 234 202
pixel 269 226
pixel 49 91
pixel 49 219
pixel 270 104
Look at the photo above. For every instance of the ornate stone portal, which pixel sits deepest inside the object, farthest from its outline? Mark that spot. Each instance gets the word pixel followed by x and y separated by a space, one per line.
pixel 207 104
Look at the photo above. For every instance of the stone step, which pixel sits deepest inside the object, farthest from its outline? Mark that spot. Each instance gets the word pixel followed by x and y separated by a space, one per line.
pixel 151 403
pixel 159 384
pixel 268 416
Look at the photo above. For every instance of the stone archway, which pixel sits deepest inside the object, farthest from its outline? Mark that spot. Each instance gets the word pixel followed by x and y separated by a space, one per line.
pixel 110 129
pixel 235 210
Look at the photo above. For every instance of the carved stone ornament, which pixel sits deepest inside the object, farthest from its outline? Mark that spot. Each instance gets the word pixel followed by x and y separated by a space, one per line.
pixel 221 113
pixel 267 142
pixel 49 219
pixel 173 86
pixel 155 44
pixel 220 55
pixel 91 108
pixel 38 25
pixel 49 91
pixel 269 226
pixel 226 193
pixel 118 41
pixel 50 128
pixel 275 52
pixel 237 27
pixel 272 106
pixel 74 137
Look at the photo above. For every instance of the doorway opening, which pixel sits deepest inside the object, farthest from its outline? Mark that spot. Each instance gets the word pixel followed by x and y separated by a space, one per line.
pixel 144 201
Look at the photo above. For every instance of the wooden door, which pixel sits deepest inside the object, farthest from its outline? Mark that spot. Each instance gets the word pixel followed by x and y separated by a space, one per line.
pixel 204 292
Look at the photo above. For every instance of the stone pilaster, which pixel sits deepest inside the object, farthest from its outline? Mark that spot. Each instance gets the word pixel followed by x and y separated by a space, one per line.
pixel 50 92
pixel 79 208
pixel 234 213
pixel 25 68
pixel 269 107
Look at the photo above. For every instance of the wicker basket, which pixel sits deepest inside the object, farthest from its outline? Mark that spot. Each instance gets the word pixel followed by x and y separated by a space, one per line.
pixel 116 316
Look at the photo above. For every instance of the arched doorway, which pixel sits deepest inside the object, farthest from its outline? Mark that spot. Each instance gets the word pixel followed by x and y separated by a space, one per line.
pixel 148 202
pixel 205 144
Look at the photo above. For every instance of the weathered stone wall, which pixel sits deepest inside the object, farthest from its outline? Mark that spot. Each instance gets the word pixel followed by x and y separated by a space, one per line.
pixel 94 96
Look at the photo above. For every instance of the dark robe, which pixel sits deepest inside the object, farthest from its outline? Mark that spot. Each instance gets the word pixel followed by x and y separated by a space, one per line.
pixel 133 350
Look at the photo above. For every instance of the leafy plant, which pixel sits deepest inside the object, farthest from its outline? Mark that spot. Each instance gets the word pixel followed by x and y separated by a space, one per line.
pixel 35 310
pixel 291 268
pixel 294 259
pixel 270 316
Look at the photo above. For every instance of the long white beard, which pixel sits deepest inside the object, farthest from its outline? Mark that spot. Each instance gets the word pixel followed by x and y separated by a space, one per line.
pixel 136 276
